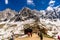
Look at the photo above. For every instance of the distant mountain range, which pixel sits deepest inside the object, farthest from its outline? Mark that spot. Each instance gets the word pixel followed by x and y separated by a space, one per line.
pixel 51 13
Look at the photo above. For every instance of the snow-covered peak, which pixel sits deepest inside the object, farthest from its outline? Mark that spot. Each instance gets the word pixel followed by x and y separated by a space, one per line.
pixel 43 12
pixel 49 8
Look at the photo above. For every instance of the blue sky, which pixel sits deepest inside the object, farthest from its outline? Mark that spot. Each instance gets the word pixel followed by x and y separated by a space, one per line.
pixel 33 4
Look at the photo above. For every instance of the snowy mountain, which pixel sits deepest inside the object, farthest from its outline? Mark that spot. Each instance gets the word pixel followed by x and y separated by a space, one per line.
pixel 52 13
pixel 24 14
pixel 51 18
pixel 7 14
pixel 48 19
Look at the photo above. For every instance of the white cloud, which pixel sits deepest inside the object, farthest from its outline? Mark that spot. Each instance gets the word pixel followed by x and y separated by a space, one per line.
pixel 51 3
pixel 30 2
pixel 6 1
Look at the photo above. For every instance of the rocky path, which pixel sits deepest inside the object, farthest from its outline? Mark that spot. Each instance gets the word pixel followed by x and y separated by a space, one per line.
pixel 34 37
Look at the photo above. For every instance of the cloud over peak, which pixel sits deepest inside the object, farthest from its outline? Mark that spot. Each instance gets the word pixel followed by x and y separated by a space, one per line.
pixel 6 1
pixel 51 3
pixel 30 2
